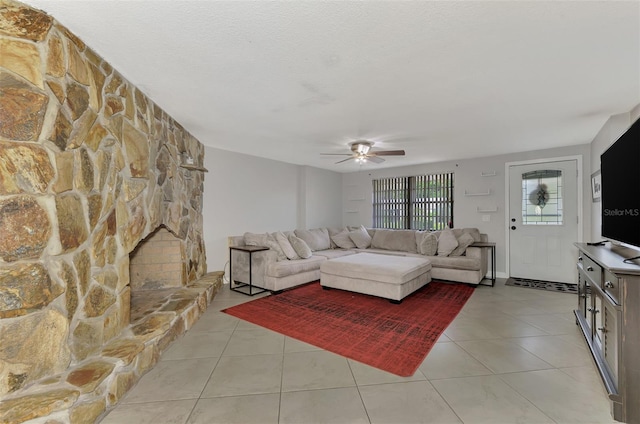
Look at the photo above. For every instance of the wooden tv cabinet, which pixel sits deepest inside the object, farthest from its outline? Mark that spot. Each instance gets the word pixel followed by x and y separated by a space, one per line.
pixel 609 315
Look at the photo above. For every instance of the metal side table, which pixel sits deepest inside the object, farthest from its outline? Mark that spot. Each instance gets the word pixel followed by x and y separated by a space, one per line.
pixel 492 247
pixel 241 287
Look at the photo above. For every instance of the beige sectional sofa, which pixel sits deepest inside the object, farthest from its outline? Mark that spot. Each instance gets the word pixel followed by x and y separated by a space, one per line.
pixel 274 271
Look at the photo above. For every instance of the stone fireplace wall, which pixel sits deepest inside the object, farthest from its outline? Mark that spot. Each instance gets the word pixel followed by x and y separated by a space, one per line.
pixel 89 166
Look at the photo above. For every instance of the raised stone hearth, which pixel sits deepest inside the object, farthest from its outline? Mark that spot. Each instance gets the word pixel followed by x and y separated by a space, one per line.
pixel 84 392
pixel 90 168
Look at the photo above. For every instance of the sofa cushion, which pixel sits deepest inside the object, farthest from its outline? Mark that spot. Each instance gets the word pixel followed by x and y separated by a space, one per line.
pixel 360 237
pixel 447 242
pixel 455 262
pixel 297 266
pixel 301 248
pixel 428 245
pixel 316 239
pixel 404 240
pixel 285 244
pixel 343 240
pixel 334 253
pixel 463 242
pixel 387 252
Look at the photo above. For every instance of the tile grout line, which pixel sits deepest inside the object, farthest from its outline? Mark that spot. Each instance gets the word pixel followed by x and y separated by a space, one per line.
pixel 355 380
pixel 284 345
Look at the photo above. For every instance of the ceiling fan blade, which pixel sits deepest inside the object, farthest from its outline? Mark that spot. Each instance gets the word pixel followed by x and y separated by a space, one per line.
pixel 336 154
pixel 374 159
pixel 387 153
pixel 344 160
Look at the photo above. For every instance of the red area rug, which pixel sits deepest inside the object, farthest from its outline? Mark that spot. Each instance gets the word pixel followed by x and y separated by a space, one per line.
pixel 371 330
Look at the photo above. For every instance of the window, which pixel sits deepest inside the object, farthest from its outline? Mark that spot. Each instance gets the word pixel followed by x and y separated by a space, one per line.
pixel 542 197
pixel 421 202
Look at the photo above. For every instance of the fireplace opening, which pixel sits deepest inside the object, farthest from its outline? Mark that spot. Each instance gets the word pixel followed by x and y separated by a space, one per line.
pixel 156 271
pixel 157 262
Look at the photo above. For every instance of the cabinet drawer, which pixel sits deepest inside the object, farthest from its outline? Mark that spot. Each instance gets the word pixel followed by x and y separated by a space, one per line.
pixel 590 268
pixel 611 286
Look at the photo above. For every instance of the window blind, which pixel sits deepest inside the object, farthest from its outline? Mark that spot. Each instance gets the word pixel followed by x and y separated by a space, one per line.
pixel 421 202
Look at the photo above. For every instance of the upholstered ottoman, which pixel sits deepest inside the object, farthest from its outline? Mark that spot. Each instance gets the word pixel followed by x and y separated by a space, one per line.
pixel 390 277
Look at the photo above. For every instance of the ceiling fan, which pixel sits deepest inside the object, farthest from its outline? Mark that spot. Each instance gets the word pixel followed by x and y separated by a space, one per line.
pixel 361 152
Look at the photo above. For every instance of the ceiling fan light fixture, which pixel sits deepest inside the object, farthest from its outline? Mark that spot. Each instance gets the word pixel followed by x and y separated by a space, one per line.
pixel 361 153
pixel 361 147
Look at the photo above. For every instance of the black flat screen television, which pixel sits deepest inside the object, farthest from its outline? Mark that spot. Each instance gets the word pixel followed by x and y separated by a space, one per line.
pixel 620 193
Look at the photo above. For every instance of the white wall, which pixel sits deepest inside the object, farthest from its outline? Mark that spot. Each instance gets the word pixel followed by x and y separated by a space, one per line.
pixel 247 193
pixel 323 198
pixel 357 188
pixel 609 133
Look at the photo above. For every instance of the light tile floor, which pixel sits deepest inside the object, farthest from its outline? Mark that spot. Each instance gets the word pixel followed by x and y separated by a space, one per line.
pixel 513 355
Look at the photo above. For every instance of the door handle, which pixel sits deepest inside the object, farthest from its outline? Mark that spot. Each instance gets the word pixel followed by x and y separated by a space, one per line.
pixel 513 227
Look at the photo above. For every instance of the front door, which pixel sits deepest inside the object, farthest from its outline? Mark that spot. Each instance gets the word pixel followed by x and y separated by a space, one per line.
pixel 543 221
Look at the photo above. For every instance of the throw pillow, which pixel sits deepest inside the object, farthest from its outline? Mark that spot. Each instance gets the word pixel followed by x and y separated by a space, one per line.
pixel 447 243
pixel 360 237
pixel 429 245
pixel 463 242
pixel 273 244
pixel 316 239
pixel 420 235
pixel 253 239
pixel 342 240
pixel 473 232
pixel 284 243
pixel 333 232
pixel 301 248
pixel 370 231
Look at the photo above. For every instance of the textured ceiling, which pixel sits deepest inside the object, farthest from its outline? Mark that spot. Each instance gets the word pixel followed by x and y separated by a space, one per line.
pixel 442 80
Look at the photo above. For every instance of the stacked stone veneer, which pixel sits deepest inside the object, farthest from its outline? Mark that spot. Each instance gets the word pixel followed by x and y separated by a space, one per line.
pixel 89 166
